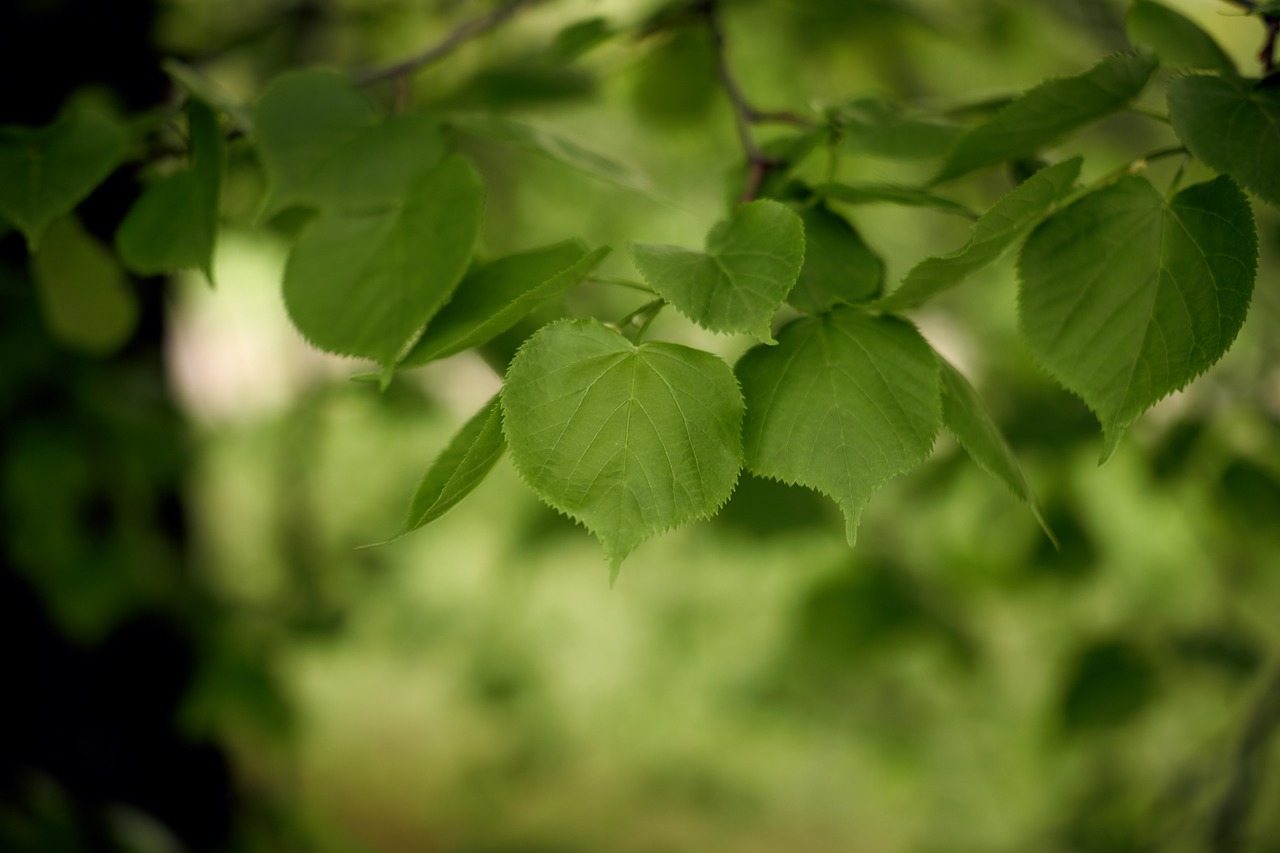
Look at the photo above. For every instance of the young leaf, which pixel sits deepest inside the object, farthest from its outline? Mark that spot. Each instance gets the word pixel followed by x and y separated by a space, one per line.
pixel 891 194
pixel 364 283
pixel 322 146
pixel 996 230
pixel 968 419
pixel 629 440
pixel 174 224
pixel 750 264
pixel 462 466
pixel 1046 113
pixel 1126 296
pixel 496 296
pixel 876 127
pixel 845 402
pixel 1233 126
pixel 1176 39
pixel 838 266
pixel 45 172
pixel 84 295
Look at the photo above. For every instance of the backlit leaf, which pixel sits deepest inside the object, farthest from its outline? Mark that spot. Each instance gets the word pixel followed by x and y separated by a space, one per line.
pixel 84 295
pixel 1126 297
pixel 462 466
pixel 1231 125
pixel 838 266
pixel 1176 39
pixel 628 440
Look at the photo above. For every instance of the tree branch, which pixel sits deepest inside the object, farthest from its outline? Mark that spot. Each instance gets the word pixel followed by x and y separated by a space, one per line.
pixel 461 34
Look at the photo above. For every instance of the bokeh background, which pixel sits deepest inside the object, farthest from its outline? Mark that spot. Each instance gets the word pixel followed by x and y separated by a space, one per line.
pixel 200 653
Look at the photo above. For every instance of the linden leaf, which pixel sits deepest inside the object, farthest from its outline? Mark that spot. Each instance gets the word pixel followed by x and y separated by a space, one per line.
pixel 1233 126
pixel 1126 297
pixel 462 466
pixel 838 266
pixel 842 404
pixel 628 440
pixel 1176 39
pixel 751 263
pixel 84 295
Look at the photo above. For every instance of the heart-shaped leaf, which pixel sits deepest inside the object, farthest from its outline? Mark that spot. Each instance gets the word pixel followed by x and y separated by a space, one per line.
pixel 838 266
pixel 1231 125
pixel 1176 39
pixel 84 295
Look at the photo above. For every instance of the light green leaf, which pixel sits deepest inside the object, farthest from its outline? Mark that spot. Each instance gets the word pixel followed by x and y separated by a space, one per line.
pixel 497 295
pixel 85 298
pixel 882 129
pixel 322 145
pixel 843 403
pixel 996 230
pixel 1048 112
pixel 365 283
pixel 45 172
pixel 201 87
pixel 628 440
pixel 462 466
pixel 873 193
pixel 1233 126
pixel 174 224
pixel 751 262
pixel 1126 297
pixel 1176 39
pixel 969 420
pixel 838 266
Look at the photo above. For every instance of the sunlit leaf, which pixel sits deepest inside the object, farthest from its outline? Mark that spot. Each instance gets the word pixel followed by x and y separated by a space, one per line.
pixel 1233 126
pixel 838 266
pixel 462 466
pixel 84 295
pixel 1176 39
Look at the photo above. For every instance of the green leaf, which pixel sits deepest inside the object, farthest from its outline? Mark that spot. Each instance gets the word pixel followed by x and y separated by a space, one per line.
pixel 629 440
pixel 879 128
pixel 85 298
pixel 1048 112
pixel 580 38
pixel 842 404
pixel 496 296
pixel 996 230
pixel 675 83
pixel 1176 39
pixel 201 87
pixel 969 420
pixel 873 193
pixel 1126 296
pixel 462 466
pixel 322 145
pixel 174 224
pixel 519 84
pixel 838 266
pixel 45 172
pixel 365 283
pixel 1231 125
pixel 751 262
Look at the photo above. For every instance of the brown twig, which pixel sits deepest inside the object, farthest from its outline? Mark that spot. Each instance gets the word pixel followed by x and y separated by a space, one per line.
pixel 1267 56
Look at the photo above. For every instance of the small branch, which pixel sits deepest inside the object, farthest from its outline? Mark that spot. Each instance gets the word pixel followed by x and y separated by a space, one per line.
pixel 460 35
pixel 1267 56
pixel 1244 4
pixel 780 117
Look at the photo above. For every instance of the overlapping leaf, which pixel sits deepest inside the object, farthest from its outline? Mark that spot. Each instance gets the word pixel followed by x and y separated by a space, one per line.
pixel 997 229
pixel 84 295
pixel 629 440
pixel 1157 297
pixel 880 193
pixel 1176 39
pixel 843 403
pixel 1048 112
pixel 838 266
pixel 750 264
pixel 468 459
pixel 45 172
pixel 877 127
pixel 1232 125
pixel 174 224
pixel 365 283
pixel 494 297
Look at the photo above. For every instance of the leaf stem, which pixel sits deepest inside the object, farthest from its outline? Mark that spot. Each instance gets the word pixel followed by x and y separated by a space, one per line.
pixel 642 317
pixel 620 282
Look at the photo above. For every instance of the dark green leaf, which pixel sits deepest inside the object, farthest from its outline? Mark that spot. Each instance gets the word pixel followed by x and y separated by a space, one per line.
pixel 520 84
pixel 365 283
pixel 1048 112
pixel 581 37
pixel 629 440
pixel 496 296
pixel 750 264
pixel 842 404
pixel 879 128
pixel 174 224
pixel 871 193
pixel 1109 684
pixel 676 83
pixel 1177 40
pixel 838 266
pixel 462 466
pixel 1233 126
pixel 84 295
pixel 45 172
pixel 1126 297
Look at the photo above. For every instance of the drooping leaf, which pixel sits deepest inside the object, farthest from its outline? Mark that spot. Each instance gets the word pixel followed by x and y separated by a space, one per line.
pixel 750 264
pixel 1156 298
pixel 463 465
pixel 838 266
pixel 994 232
pixel 969 420
pixel 45 172
pixel 842 404
pixel 879 128
pixel 174 224
pixel 1233 126
pixel 85 298
pixel 874 193
pixel 322 145
pixel 365 283
pixel 581 37
pixel 1048 112
pixel 629 440
pixel 496 296
pixel 1176 39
